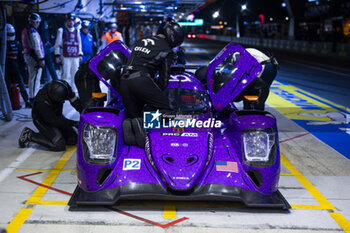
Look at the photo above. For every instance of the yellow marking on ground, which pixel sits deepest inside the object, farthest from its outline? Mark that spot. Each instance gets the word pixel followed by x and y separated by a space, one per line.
pixel 286 174
pixel 18 220
pixel 319 98
pixel 41 202
pixel 324 203
pixel 35 199
pixel 291 110
pixel 342 222
pixel 311 207
pixel 43 170
pixel 169 212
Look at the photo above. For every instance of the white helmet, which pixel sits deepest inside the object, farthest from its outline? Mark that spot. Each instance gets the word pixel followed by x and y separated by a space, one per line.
pixel 11 32
pixel 85 23
pixel 77 23
pixel 34 17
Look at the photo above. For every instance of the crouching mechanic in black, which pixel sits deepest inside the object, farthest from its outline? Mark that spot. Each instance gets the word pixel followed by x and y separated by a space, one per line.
pixel 139 85
pixel 55 131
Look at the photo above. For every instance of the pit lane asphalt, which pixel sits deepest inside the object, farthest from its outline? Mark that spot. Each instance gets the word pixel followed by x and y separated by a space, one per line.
pixel 314 179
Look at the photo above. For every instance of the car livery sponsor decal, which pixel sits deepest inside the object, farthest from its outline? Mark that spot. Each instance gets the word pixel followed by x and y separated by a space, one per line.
pixel 226 166
pixel 131 164
pixel 175 144
pixel 180 134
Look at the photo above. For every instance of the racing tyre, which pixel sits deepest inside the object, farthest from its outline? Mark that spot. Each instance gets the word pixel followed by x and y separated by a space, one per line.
pixel 128 134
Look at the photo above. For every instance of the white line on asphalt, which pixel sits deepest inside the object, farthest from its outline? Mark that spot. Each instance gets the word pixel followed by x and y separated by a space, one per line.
pixel 318 68
pixel 22 157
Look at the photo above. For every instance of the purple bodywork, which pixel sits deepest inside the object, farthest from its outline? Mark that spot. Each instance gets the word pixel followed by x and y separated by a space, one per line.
pixel 185 163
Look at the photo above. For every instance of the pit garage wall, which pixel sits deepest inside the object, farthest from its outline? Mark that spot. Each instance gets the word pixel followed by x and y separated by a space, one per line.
pixel 323 49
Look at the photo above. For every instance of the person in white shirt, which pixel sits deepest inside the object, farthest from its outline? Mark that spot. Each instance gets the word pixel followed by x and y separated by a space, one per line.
pixel 68 50
pixel 34 54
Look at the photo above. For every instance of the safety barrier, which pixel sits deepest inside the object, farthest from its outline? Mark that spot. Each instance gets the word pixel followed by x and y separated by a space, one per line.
pixel 329 49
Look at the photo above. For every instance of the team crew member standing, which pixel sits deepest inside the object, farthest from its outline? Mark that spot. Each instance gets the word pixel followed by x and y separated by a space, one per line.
pixel 111 35
pixel 68 50
pixel 87 41
pixel 14 53
pixel 55 131
pixel 33 53
pixel 149 56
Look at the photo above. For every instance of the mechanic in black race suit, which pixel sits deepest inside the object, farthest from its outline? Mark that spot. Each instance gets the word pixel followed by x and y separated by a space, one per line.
pixel 139 85
pixel 55 131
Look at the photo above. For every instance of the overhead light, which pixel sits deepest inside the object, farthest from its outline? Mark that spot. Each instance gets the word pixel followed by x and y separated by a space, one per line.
pixel 244 7
pixel 284 4
pixel 287 18
pixel 216 14
pixel 271 19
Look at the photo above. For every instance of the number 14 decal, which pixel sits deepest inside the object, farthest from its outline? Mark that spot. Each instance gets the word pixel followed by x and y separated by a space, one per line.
pixel 131 164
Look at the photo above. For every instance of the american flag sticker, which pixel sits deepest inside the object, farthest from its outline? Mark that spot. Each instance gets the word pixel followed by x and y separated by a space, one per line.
pixel 226 166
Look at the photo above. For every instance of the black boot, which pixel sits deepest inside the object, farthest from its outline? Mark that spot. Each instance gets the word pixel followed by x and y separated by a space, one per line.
pixel 25 137
pixel 28 104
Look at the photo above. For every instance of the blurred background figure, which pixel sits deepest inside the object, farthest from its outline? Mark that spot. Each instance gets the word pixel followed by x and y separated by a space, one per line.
pixel 148 31
pixel 87 41
pixel 13 76
pixel 68 50
pixel 111 35
pixel 34 53
pixel 49 48
pixel 167 18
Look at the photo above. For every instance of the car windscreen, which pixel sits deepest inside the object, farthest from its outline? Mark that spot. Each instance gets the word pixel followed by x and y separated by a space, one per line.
pixel 225 71
pixel 188 101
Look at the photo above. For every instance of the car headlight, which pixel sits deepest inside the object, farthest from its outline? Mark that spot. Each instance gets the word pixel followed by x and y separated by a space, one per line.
pixel 100 141
pixel 257 145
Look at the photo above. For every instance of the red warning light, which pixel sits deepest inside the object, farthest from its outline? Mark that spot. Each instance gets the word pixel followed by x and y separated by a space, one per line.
pixel 261 16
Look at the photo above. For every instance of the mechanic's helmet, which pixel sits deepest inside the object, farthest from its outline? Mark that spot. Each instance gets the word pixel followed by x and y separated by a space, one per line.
pixel 58 91
pixel 174 34
pixel 10 31
pixel 34 17
pixel 114 25
pixel 85 24
pixel 71 16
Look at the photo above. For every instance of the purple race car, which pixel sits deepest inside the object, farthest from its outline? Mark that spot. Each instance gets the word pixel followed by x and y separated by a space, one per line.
pixel 205 150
